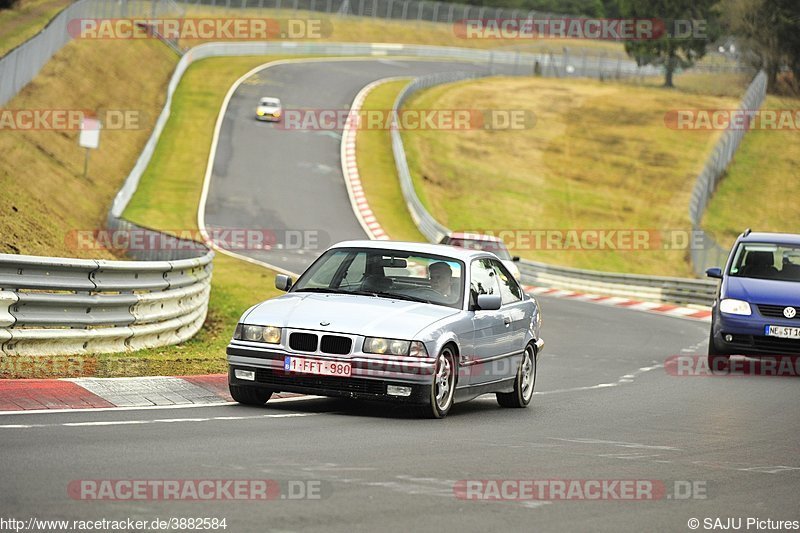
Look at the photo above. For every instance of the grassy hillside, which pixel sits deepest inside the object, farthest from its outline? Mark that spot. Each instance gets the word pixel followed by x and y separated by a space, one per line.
pixel 598 157
pixel 43 194
pixel 762 186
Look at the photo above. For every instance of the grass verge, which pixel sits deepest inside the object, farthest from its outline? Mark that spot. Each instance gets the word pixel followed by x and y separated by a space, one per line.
pixel 377 170
pixel 598 157
pixel 762 185
pixel 44 196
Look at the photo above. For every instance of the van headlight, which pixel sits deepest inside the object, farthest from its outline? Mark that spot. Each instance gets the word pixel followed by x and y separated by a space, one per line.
pixel 248 332
pixel 735 307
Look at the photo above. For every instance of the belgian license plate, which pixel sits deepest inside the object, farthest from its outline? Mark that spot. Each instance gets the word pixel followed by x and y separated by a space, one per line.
pixel 784 332
pixel 316 366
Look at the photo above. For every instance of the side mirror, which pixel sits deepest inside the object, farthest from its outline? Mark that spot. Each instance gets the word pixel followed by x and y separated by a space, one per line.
pixel 714 272
pixel 515 258
pixel 283 282
pixel 489 302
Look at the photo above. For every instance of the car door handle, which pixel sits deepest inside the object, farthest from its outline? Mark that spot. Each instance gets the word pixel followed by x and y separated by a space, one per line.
pixel 507 320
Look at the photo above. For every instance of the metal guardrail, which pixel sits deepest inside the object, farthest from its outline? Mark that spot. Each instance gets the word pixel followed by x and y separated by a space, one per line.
pixel 712 254
pixel 662 289
pixel 54 306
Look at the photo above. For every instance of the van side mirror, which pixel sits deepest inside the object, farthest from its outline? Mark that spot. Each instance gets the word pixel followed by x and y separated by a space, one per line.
pixel 714 272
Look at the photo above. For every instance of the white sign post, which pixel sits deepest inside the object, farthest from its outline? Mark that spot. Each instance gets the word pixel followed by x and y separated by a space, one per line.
pixel 89 139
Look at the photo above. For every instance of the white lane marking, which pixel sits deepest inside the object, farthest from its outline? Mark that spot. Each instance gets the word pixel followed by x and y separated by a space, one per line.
pixel 620 443
pixel 149 407
pixel 156 421
pixel 627 378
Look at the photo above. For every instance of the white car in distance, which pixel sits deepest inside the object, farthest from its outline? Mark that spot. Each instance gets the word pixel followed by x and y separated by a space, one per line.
pixel 269 109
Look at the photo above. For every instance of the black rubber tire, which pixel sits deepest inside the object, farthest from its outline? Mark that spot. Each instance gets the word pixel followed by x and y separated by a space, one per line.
pixel 433 409
pixel 717 359
pixel 520 397
pixel 249 395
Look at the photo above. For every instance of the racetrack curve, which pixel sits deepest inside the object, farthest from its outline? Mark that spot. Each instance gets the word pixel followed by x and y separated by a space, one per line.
pixel 605 407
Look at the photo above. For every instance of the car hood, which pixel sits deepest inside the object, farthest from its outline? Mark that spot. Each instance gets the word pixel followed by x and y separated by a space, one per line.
pixel 353 314
pixel 267 109
pixel 762 291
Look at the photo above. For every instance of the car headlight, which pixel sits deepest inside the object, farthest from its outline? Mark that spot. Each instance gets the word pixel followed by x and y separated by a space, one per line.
pixel 276 113
pixel 247 332
pixel 735 307
pixel 380 345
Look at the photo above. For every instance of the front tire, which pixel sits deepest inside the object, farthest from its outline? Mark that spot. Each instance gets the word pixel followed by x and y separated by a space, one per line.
pixel 249 395
pixel 523 383
pixel 717 359
pixel 444 386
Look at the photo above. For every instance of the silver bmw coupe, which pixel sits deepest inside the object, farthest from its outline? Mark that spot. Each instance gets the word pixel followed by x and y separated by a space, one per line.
pixel 423 324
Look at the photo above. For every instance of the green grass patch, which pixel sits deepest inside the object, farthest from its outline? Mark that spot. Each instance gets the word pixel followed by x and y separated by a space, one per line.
pixel 168 197
pixel 377 169
pixel 761 187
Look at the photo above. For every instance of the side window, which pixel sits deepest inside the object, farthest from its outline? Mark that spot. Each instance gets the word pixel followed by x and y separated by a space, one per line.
pixel 483 279
pixel 509 289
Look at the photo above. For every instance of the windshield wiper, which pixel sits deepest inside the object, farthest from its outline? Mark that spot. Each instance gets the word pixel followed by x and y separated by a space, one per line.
pixel 320 289
pixel 402 297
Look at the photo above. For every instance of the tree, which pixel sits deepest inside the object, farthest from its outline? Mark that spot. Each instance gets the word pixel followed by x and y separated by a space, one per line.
pixel 767 32
pixel 688 27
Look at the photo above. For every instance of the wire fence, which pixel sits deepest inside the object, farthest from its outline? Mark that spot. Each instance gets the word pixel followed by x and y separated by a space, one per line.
pixel 711 253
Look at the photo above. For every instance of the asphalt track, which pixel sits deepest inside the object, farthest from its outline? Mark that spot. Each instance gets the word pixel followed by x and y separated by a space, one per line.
pixel 605 406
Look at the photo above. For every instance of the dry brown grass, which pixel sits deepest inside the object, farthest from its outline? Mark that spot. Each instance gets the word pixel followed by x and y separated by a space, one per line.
pixel 599 157
pixel 43 194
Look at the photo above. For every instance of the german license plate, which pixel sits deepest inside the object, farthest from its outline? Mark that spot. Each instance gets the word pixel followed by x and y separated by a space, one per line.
pixel 784 332
pixel 319 367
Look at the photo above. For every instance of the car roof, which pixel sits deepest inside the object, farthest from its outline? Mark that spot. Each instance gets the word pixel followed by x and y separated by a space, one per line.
pixel 444 250
pixel 771 238
pixel 270 99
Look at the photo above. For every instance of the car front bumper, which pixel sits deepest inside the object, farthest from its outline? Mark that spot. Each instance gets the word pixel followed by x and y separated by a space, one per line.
pixel 369 379
pixel 747 335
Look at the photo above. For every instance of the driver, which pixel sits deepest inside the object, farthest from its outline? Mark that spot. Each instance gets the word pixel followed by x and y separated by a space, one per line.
pixel 441 277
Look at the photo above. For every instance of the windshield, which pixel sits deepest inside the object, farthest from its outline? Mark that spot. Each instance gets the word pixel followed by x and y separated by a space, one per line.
pixel 270 103
pixel 386 274
pixel 498 248
pixel 767 261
